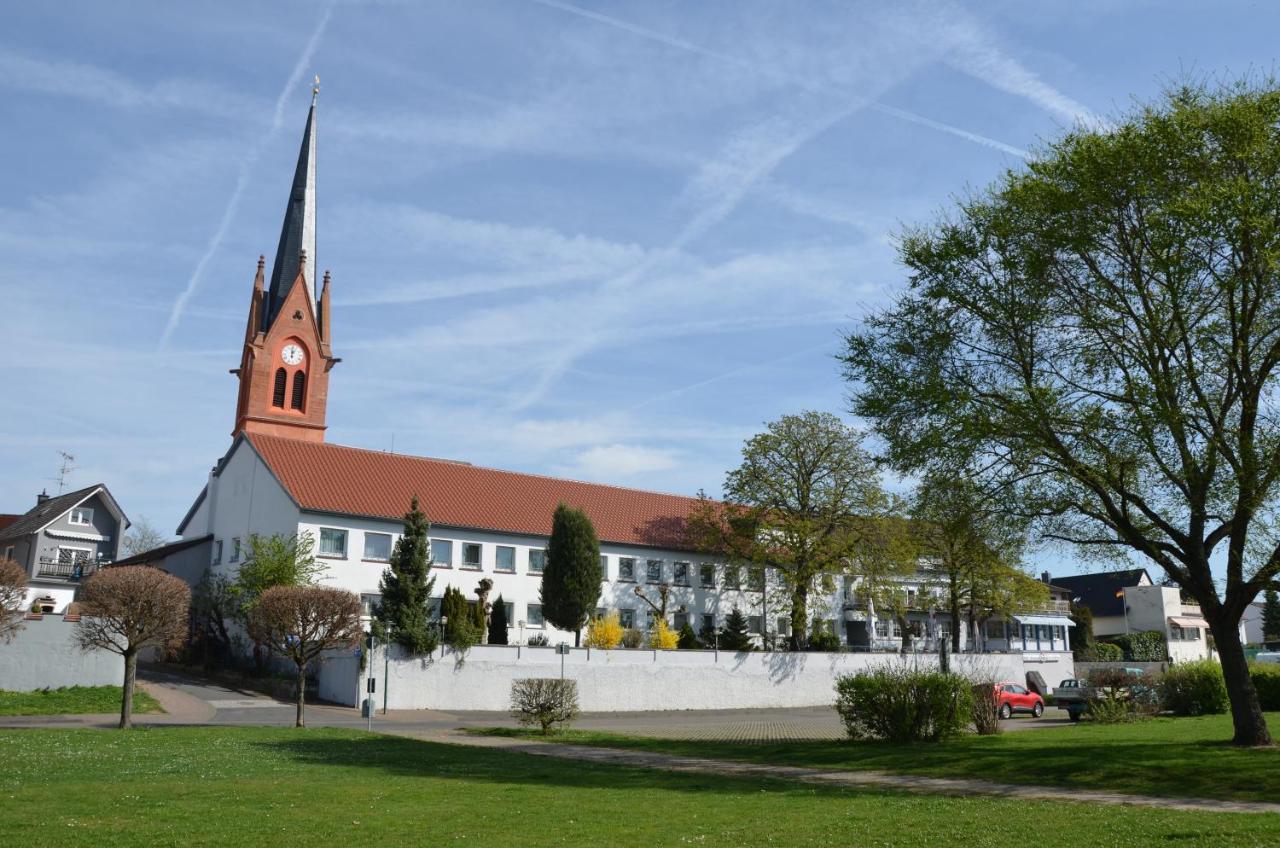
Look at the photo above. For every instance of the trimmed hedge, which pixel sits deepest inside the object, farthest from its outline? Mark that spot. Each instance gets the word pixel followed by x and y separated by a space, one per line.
pixel 1266 680
pixel 900 704
pixel 1194 688
pixel 1147 646
pixel 1100 652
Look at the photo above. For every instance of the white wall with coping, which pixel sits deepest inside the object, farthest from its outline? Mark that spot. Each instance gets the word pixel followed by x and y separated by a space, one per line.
pixel 629 681
pixel 43 654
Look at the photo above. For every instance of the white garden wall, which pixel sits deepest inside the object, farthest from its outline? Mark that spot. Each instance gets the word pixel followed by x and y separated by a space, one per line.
pixel 623 681
pixel 44 655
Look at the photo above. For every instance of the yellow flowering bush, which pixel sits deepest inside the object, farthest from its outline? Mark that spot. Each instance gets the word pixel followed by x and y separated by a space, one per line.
pixel 662 637
pixel 605 633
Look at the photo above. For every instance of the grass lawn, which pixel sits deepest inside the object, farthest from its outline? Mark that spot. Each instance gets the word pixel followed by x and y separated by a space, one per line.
pixel 73 699
pixel 276 786
pixel 1184 757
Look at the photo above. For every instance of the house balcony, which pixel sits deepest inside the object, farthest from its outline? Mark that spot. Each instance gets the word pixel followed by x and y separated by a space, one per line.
pixel 1056 606
pixel 72 571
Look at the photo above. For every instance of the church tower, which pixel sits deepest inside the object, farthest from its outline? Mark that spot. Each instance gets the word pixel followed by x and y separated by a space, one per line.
pixel 284 370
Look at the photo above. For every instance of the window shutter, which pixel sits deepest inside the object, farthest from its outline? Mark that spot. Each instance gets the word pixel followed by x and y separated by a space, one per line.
pixel 277 398
pixel 299 390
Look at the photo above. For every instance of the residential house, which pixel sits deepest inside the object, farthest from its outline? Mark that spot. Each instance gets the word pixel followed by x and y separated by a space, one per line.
pixel 62 540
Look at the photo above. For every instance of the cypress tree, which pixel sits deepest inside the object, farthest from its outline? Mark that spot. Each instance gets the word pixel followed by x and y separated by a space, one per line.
pixel 1271 617
pixel 735 635
pixel 571 579
pixel 403 615
pixel 498 623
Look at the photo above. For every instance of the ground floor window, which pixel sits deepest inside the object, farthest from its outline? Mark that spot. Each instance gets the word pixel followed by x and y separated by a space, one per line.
pixel 754 624
pixel 534 616
pixel 627 618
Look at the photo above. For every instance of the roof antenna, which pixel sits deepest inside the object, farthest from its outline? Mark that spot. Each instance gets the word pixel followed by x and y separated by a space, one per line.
pixel 393 442
pixel 63 470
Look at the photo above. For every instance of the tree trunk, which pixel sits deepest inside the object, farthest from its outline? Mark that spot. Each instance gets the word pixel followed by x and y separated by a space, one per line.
pixel 301 720
pixel 577 638
pixel 126 700
pixel 956 623
pixel 799 617
pixel 1246 712
pixel 904 626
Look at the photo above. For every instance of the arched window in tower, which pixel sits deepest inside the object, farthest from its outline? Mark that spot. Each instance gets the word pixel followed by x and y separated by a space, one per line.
pixel 277 396
pixel 299 389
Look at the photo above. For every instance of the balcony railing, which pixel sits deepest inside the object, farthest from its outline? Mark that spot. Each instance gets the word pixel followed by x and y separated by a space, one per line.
pixel 62 569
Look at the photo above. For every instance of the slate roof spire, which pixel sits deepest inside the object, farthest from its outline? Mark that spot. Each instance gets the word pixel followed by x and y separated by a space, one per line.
pixel 298 234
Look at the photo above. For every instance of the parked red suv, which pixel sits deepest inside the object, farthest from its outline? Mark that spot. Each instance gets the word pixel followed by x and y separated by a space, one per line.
pixel 1015 698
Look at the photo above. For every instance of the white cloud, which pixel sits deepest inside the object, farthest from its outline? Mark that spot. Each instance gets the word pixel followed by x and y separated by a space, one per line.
pixel 613 462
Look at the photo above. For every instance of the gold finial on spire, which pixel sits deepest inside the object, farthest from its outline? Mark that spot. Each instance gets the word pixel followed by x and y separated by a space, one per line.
pixel 315 89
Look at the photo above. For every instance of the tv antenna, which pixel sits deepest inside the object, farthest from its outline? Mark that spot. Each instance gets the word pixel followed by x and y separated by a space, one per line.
pixel 64 469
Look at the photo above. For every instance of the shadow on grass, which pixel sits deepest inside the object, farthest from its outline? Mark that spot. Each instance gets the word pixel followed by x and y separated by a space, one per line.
pixel 412 758
pixel 1169 763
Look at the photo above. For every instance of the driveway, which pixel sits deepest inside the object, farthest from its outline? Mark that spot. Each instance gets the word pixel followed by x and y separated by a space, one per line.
pixel 193 700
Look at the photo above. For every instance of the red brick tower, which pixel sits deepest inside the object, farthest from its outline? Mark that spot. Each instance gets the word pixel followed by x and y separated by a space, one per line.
pixel 284 370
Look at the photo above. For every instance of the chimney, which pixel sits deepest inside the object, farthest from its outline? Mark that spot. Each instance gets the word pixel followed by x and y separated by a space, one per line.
pixel 42 497
pixel 1044 576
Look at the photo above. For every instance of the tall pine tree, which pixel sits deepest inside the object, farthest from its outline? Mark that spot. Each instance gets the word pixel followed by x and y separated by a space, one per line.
pixel 498 623
pixel 403 615
pixel 735 635
pixel 1271 617
pixel 571 579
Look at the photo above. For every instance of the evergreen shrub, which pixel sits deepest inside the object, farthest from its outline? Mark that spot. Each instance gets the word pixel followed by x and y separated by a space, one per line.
pixel 901 704
pixel 1194 688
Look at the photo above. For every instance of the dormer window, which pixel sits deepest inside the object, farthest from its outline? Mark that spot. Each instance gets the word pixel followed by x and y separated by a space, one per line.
pixel 82 515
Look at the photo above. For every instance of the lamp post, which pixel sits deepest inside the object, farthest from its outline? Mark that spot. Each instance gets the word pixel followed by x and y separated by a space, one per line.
pixel 444 629
pixel 521 623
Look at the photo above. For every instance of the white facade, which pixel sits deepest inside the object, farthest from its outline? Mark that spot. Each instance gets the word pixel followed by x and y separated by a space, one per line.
pixel 1160 608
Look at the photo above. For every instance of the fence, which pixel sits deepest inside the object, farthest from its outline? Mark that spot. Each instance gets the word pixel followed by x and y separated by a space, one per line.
pixel 638 680
pixel 43 654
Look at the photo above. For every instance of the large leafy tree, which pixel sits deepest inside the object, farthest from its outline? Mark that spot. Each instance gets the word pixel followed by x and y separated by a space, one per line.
pixel 1102 330
pixel 973 548
pixel 572 577
pixel 800 502
pixel 285 559
pixel 403 614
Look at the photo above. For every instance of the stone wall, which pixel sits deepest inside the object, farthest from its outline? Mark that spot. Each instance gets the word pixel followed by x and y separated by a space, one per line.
pixel 635 680
pixel 43 655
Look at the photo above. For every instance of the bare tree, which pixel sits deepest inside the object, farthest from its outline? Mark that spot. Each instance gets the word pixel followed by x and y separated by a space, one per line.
pixel 128 608
pixel 303 621
pixel 142 537
pixel 13 597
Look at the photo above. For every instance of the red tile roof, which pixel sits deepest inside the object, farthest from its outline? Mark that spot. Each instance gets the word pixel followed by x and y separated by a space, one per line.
pixel 6 520
pixel 351 481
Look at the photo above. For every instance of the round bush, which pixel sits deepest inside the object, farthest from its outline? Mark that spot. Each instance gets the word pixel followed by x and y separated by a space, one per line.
pixel 901 704
pixel 1107 652
pixel 1266 680
pixel 1194 688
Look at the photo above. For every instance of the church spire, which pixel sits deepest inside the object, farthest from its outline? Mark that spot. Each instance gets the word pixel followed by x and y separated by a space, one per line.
pixel 298 235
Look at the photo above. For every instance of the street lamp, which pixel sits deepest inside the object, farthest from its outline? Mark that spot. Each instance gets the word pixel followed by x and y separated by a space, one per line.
pixel 521 623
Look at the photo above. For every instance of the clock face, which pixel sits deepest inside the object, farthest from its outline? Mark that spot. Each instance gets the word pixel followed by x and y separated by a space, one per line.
pixel 292 354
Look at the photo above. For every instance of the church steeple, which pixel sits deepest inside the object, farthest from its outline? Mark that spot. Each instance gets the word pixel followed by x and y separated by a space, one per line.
pixel 298 234
pixel 284 368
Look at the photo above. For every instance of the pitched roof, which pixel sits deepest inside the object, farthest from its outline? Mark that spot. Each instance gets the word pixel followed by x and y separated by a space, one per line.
pixel 6 519
pixel 43 513
pixel 157 554
pixel 351 481
pixel 298 233
pixel 1098 591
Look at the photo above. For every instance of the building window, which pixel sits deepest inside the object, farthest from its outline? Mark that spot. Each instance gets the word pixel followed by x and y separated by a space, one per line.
pixel 277 393
pixel 534 618
pixel 650 619
pixel 707 575
pixel 8 552
pixel 504 558
pixel 681 620
pixel 377 546
pixel 537 561
pixel 333 543
pixel 681 570
pixel 708 621
pixel 732 577
pixel 442 553
pixel 604 567
pixel 995 629
pixel 654 572
pixel 235 549
pixel 627 618
pixel 470 555
pixel 511 612
pixel 784 625
pixel 299 390
pixel 754 623
pixel 369 605
pixel 755 577
pixel 81 515
pixel 626 570
pixel 217 551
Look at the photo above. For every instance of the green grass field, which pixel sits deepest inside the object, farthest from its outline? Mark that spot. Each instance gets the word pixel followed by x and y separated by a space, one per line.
pixel 73 699
pixel 276 786
pixel 1185 757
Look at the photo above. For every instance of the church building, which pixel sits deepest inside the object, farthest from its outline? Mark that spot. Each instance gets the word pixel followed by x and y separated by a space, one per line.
pixel 280 476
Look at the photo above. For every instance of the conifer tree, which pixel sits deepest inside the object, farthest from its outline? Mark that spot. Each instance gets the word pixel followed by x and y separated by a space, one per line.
pixel 459 620
pixel 734 636
pixel 498 623
pixel 403 615
pixel 1271 617
pixel 571 579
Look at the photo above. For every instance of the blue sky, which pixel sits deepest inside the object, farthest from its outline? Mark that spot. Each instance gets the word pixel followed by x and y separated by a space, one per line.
pixel 601 240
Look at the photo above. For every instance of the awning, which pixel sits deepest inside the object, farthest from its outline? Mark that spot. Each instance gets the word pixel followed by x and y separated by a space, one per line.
pixel 1182 621
pixel 1052 620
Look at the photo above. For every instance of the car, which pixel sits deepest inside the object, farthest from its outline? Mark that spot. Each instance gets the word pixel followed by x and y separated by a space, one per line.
pixel 1016 698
